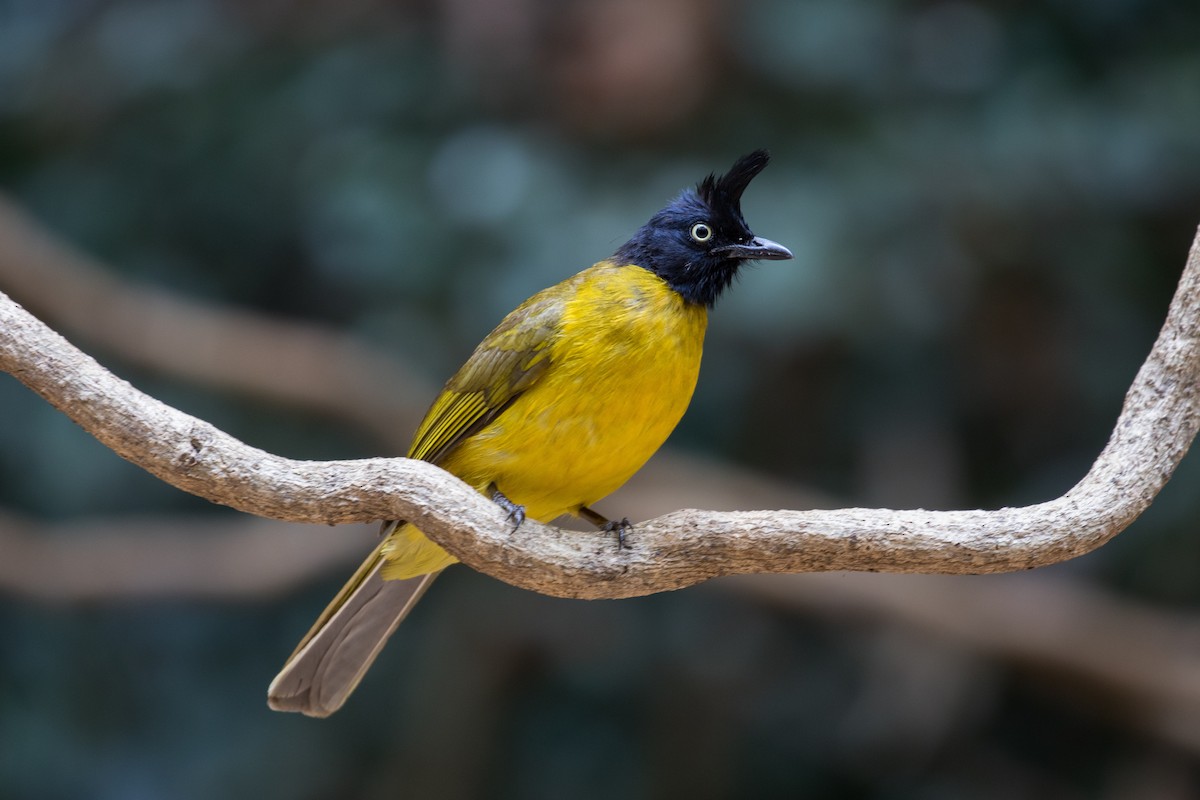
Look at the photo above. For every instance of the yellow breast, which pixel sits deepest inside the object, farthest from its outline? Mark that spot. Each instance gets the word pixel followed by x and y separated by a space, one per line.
pixel 624 365
pixel 624 358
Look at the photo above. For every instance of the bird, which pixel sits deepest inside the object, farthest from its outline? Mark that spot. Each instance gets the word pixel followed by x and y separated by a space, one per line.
pixel 555 409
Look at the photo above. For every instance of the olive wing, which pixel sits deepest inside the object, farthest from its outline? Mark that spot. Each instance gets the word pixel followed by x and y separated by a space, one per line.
pixel 505 364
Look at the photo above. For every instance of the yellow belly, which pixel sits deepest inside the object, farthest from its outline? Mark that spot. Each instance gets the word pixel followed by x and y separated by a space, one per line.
pixel 622 374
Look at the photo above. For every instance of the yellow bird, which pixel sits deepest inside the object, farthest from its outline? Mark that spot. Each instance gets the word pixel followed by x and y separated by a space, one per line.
pixel 560 405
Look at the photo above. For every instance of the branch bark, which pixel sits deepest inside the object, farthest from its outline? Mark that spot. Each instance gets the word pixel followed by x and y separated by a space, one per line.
pixel 1155 429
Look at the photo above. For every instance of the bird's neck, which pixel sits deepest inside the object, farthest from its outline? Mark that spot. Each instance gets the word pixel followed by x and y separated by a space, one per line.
pixel 698 281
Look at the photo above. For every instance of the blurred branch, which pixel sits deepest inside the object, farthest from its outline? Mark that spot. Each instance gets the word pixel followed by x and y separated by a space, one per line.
pixel 1132 662
pixel 120 560
pixel 1137 664
pixel 281 362
pixel 1154 431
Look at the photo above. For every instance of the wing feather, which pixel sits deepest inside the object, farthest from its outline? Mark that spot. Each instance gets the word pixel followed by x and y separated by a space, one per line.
pixel 505 364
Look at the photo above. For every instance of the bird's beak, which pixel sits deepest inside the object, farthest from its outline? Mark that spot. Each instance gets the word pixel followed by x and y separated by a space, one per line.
pixel 757 248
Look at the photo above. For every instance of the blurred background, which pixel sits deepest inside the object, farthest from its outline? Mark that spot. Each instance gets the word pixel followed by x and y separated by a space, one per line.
pixel 295 219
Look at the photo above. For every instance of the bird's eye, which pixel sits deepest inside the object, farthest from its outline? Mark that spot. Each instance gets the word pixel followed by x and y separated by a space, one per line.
pixel 701 232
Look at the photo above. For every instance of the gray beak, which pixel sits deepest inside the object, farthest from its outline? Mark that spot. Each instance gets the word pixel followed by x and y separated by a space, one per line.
pixel 756 249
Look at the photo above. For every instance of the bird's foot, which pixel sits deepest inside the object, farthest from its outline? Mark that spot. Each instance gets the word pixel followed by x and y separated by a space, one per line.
pixel 516 513
pixel 620 528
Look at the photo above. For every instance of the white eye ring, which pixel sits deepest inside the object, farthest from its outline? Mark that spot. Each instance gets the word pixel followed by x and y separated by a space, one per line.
pixel 701 232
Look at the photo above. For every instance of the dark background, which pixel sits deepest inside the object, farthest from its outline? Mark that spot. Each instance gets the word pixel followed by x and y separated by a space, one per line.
pixel 989 204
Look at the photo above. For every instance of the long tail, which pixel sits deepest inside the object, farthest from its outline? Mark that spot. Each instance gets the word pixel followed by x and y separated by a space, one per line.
pixel 335 654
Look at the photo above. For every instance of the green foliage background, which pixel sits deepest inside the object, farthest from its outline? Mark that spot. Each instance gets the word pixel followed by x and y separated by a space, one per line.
pixel 989 205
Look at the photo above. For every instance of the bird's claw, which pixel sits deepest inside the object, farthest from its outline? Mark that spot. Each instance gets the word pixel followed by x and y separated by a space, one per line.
pixel 620 528
pixel 515 513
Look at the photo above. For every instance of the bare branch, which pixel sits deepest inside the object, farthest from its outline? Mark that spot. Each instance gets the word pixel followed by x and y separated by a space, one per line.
pixel 1133 662
pixel 1154 431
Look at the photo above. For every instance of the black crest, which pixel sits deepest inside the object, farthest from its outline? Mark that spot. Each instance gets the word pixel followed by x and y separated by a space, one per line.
pixel 725 192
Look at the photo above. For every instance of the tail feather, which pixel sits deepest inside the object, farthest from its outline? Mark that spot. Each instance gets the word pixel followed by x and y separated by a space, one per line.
pixel 335 654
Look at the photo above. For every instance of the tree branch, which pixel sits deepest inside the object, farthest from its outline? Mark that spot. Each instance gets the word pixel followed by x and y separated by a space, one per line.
pixel 1154 431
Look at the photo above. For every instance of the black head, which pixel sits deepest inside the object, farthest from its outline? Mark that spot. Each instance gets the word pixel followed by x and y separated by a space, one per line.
pixel 698 242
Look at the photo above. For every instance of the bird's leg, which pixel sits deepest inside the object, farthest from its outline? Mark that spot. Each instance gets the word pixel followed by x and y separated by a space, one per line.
pixel 516 513
pixel 608 526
